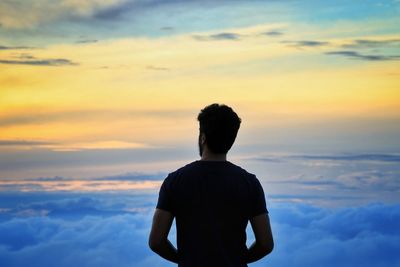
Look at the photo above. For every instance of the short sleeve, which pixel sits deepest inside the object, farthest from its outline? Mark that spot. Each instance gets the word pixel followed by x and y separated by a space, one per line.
pixel 165 197
pixel 257 204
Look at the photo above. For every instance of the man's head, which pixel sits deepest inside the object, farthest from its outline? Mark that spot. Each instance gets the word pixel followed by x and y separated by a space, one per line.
pixel 219 124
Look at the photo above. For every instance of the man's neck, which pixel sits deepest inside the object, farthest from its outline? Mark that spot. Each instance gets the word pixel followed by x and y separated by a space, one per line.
pixel 213 157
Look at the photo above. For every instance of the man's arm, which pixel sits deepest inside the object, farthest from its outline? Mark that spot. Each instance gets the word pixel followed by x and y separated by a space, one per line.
pixel 158 239
pixel 264 243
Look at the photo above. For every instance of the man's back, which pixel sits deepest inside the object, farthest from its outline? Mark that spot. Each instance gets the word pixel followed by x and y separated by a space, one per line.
pixel 212 202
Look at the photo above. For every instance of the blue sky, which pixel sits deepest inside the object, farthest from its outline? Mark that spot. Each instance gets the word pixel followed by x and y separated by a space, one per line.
pixel 32 23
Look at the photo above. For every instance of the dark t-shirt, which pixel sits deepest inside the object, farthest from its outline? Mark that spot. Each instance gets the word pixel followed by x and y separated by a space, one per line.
pixel 212 202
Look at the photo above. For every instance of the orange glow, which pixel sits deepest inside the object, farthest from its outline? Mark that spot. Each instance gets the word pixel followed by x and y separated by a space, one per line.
pixel 79 185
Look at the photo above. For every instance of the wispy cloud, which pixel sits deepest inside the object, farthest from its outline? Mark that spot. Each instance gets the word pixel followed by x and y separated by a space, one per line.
pixel 25 56
pixel 359 181
pixel 121 182
pixel 377 180
pixel 273 33
pixel 370 43
pixel 77 185
pixel 117 10
pixel 3 47
pixel 156 68
pixel 40 62
pixel 129 176
pixel 218 37
pixel 108 144
pixel 87 41
pixel 73 146
pixel 85 114
pixel 356 55
pixel 167 28
pixel 333 157
pixel 304 198
pixel 306 43
pixel 350 157
pixel 24 143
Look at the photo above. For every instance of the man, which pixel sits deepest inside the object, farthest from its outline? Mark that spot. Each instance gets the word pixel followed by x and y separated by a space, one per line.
pixel 212 201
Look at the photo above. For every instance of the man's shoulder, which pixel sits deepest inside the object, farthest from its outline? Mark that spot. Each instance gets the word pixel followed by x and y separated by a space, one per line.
pixel 185 168
pixel 198 164
pixel 242 170
pixel 247 175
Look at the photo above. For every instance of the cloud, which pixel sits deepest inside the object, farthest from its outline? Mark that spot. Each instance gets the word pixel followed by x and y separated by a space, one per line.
pixel 25 56
pixel 133 176
pixel 72 146
pixel 107 230
pixel 29 59
pixel 106 144
pixel 84 185
pixel 252 32
pixel 27 14
pixel 82 164
pixel 24 143
pixel 115 12
pixel 351 157
pixel 273 33
pixel 129 176
pixel 312 236
pixel 22 14
pixel 218 37
pixel 372 180
pixel 2 47
pixel 40 62
pixel 87 41
pixel 330 178
pixel 306 198
pixel 369 43
pixel 306 43
pixel 71 208
pixel 114 183
pixel 151 67
pixel 167 28
pixel 363 181
pixel 356 55
pixel 35 117
pixel 91 241
pixel 92 231
pixel 76 205
pixel 333 157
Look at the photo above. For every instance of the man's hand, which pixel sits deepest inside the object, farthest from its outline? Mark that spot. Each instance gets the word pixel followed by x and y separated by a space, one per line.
pixel 158 239
pixel 264 243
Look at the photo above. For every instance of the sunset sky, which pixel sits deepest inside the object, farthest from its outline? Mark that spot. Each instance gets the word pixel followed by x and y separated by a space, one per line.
pixel 105 87
pixel 99 99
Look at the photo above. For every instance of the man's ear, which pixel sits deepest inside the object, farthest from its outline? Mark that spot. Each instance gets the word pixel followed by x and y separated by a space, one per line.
pixel 202 138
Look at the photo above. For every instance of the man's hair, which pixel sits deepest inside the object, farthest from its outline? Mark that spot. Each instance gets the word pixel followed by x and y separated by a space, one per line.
pixel 220 125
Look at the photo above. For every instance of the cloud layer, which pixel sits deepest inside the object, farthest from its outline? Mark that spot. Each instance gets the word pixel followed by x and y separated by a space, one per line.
pixel 107 229
pixel 358 236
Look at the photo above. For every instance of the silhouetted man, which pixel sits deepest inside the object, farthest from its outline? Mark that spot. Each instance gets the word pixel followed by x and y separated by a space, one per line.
pixel 212 201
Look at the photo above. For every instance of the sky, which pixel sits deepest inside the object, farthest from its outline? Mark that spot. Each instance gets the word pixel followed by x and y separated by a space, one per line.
pixel 120 82
pixel 99 99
